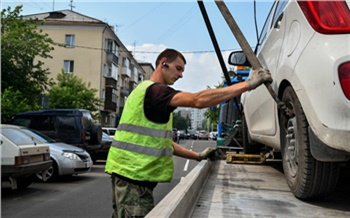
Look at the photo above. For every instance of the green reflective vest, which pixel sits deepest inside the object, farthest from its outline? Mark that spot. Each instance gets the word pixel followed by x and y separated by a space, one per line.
pixel 141 150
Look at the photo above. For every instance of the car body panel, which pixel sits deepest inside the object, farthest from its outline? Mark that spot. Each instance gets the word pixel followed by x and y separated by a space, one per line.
pixel 14 144
pixel 72 126
pixel 290 55
pixel 65 165
pixel 110 131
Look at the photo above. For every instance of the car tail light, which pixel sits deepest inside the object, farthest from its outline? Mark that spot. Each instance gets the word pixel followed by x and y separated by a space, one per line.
pixel 328 17
pixel 344 77
pixel 20 160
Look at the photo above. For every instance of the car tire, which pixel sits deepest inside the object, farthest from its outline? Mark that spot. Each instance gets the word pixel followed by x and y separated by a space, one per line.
pixel 96 134
pixel 307 177
pixel 51 173
pixel 249 146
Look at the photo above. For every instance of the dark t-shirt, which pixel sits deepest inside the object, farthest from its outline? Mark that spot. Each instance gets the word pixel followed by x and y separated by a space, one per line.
pixel 157 100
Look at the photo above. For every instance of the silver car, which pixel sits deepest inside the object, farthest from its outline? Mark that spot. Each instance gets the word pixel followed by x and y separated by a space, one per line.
pixel 67 159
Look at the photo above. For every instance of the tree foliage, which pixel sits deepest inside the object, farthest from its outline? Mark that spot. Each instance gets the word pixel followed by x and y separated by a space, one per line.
pixel 211 114
pixel 21 43
pixel 9 109
pixel 72 92
pixel 179 122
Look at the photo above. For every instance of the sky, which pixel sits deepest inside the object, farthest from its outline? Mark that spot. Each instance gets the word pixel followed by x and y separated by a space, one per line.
pixel 148 27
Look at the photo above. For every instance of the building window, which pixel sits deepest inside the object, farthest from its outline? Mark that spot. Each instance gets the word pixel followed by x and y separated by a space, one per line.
pixel 112 46
pixel 68 66
pixel 114 95
pixel 126 62
pixel 70 41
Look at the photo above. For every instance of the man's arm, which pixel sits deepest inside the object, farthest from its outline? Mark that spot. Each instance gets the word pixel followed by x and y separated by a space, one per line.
pixel 209 97
pixel 185 153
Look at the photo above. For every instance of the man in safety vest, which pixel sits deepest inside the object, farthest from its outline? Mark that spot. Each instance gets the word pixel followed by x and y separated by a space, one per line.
pixel 142 151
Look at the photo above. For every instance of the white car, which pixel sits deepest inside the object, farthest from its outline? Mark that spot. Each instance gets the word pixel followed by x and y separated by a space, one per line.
pixel 110 131
pixel 213 135
pixel 66 159
pixel 306 47
pixel 21 157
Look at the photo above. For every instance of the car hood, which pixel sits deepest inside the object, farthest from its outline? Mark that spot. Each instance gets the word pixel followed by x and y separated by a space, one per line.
pixel 64 146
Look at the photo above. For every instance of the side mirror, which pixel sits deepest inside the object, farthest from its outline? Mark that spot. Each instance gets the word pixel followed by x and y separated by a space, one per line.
pixel 238 58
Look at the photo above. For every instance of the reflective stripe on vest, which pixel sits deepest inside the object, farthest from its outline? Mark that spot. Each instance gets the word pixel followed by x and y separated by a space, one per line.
pixel 146 131
pixel 142 149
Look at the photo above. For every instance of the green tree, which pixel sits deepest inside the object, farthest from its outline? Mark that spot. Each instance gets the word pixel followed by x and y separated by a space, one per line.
pixel 211 114
pixel 179 122
pixel 13 102
pixel 72 92
pixel 21 43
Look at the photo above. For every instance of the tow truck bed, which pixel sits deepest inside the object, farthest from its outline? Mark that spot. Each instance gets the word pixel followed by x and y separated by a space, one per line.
pixel 244 190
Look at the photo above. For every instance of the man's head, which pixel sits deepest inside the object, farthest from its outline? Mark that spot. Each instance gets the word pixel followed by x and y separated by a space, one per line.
pixel 170 65
pixel 170 55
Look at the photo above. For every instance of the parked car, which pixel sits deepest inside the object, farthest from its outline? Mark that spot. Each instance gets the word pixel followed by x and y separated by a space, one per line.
pixel 72 126
pixel 182 134
pixel 305 45
pixel 192 134
pixel 102 152
pixel 202 134
pixel 22 156
pixel 213 135
pixel 110 131
pixel 66 159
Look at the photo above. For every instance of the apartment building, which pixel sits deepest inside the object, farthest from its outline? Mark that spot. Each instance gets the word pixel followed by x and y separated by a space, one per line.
pixel 93 52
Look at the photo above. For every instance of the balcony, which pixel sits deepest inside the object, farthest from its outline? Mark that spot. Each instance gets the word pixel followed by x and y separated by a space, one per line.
pixel 124 91
pixel 126 71
pixel 111 83
pixel 109 105
pixel 112 58
pixel 134 78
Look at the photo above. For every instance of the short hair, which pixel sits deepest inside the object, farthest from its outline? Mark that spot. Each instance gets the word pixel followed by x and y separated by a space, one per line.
pixel 170 55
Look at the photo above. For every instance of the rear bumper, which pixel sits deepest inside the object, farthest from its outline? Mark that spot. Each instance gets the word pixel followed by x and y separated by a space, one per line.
pixel 24 170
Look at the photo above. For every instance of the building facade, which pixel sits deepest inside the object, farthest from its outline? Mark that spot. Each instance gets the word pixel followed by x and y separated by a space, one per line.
pixel 90 49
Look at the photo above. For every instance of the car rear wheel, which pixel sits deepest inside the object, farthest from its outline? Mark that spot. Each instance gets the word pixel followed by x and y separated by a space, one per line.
pixel 306 177
pixel 249 146
pixel 51 173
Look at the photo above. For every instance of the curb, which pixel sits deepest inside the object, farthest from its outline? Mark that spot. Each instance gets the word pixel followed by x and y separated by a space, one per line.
pixel 181 200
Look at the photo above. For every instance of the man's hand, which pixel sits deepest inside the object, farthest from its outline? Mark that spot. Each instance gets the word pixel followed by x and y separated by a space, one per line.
pixel 206 153
pixel 258 77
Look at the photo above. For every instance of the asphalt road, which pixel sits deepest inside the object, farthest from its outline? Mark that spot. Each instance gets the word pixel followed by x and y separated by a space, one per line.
pixel 85 195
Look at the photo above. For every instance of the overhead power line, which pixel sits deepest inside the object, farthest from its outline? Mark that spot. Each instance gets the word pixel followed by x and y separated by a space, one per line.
pixel 151 52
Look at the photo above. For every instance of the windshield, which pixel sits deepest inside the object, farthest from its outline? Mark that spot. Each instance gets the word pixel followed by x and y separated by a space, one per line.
pixel 18 137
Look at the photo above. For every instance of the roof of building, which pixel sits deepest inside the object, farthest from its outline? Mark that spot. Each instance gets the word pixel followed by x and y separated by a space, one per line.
pixel 64 15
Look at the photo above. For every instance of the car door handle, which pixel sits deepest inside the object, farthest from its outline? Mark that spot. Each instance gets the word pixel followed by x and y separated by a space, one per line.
pixel 278 22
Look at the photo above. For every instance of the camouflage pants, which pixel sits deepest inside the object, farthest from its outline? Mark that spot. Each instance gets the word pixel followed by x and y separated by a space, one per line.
pixel 130 200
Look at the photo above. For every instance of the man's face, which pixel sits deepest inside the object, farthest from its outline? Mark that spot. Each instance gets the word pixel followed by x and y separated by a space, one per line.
pixel 174 72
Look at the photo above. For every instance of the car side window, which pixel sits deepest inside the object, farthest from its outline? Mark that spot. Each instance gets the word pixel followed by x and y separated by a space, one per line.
pixel 66 123
pixel 279 10
pixel 265 29
pixel 45 123
pixel 21 121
